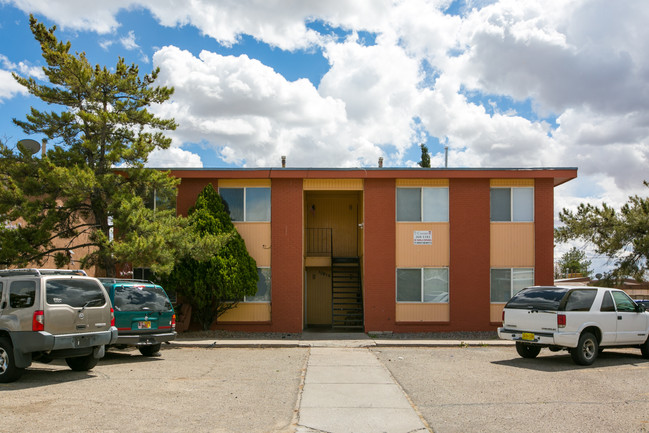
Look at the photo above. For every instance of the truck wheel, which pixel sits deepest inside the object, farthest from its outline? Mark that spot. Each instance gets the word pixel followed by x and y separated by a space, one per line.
pixel 150 350
pixel 586 351
pixel 82 363
pixel 644 348
pixel 8 370
pixel 527 350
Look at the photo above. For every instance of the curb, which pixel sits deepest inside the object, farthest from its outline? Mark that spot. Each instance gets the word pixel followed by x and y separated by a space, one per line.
pixel 256 344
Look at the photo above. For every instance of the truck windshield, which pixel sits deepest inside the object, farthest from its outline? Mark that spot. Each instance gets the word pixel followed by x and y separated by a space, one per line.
pixel 141 298
pixel 538 298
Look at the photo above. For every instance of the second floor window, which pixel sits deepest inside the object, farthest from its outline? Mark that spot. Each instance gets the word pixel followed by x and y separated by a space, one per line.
pixel 247 204
pixel 512 204
pixel 422 204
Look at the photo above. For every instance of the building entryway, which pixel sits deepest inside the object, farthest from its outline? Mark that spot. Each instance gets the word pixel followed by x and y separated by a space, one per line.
pixel 333 271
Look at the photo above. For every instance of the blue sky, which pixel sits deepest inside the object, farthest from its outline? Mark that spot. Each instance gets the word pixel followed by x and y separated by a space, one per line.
pixel 555 83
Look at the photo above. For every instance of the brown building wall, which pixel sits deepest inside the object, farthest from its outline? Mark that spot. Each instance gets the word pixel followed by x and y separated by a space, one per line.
pixel 469 271
pixel 286 255
pixel 379 256
pixel 544 231
pixel 188 191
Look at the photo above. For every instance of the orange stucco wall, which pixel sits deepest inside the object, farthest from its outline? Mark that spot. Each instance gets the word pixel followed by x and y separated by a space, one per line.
pixel 469 240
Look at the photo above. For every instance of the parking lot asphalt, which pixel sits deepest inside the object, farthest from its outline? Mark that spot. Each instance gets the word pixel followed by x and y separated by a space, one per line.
pixel 333 385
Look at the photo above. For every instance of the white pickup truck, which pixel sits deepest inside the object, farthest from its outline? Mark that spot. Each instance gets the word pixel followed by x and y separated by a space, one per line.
pixel 582 320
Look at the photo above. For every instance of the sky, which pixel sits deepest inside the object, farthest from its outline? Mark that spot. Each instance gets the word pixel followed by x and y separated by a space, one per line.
pixel 338 83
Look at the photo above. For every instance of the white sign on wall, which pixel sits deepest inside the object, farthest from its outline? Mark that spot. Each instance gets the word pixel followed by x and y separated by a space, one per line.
pixel 422 237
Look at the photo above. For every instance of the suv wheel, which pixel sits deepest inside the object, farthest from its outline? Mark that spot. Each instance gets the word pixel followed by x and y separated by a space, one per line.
pixel 149 350
pixel 8 370
pixel 82 363
pixel 586 351
pixel 644 347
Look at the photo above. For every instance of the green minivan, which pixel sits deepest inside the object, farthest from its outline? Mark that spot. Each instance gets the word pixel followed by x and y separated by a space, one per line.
pixel 144 316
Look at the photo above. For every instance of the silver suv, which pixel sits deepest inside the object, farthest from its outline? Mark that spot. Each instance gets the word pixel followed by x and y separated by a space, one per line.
pixel 47 314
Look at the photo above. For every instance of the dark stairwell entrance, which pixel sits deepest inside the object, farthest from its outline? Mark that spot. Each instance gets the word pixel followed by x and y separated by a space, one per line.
pixel 333 271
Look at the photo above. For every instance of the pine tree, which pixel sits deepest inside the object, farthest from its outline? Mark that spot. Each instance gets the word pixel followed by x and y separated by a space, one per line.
pixel 216 284
pixel 72 202
pixel 425 156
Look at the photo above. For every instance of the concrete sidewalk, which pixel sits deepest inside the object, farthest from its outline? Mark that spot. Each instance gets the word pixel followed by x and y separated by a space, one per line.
pixel 334 339
pixel 348 390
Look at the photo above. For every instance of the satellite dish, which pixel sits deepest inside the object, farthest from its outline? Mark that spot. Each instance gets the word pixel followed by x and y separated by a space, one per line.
pixel 29 146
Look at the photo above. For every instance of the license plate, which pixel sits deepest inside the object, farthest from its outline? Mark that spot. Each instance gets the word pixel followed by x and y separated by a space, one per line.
pixel 528 336
pixel 144 325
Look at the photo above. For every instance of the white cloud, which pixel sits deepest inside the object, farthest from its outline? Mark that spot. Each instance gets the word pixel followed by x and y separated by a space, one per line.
pixel 173 157
pixel 581 62
pixel 244 109
pixel 8 86
pixel 128 41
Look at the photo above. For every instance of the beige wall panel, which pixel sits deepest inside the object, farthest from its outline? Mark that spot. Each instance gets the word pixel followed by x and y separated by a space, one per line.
pixel 417 312
pixel 409 255
pixel 247 312
pixel 317 262
pixel 421 182
pixel 318 296
pixel 512 245
pixel 496 313
pixel 512 182
pixel 333 184
pixel 244 183
pixel 257 239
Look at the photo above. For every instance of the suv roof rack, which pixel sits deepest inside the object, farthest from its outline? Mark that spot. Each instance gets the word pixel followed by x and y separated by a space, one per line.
pixel 39 272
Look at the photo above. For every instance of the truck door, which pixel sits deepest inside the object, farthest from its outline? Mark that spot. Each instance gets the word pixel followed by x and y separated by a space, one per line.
pixel 631 324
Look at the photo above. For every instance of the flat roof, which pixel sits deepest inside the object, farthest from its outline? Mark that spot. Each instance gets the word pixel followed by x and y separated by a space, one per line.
pixel 559 174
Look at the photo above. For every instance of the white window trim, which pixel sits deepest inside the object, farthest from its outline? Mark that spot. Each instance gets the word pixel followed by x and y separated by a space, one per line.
pixel 511 204
pixel 421 288
pixel 245 205
pixel 245 301
pixel 511 282
pixel 421 205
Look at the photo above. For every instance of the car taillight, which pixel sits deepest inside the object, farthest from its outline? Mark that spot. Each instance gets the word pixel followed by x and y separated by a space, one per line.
pixel 38 321
pixel 173 322
pixel 503 316
pixel 561 320
pixel 112 317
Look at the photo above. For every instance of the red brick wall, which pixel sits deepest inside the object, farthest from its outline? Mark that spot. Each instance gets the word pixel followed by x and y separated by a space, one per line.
pixel 469 272
pixel 286 255
pixel 544 231
pixel 379 254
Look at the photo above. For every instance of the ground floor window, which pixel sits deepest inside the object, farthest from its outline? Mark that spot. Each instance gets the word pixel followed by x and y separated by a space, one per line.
pixel 506 282
pixel 422 285
pixel 263 287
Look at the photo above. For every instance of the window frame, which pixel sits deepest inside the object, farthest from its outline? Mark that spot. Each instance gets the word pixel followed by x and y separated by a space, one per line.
pixel 511 283
pixel 422 287
pixel 512 202
pixel 270 289
pixel 422 207
pixel 245 203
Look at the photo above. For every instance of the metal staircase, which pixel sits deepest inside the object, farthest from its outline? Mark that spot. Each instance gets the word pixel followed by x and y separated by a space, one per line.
pixel 347 293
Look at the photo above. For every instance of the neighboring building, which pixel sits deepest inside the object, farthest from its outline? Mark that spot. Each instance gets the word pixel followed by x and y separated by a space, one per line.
pixel 385 249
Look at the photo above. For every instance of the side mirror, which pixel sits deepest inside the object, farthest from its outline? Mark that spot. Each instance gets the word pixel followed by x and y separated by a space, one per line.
pixel 640 308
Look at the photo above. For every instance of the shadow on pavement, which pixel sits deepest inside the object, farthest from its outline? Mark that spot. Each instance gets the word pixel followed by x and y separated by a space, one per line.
pixel 562 361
